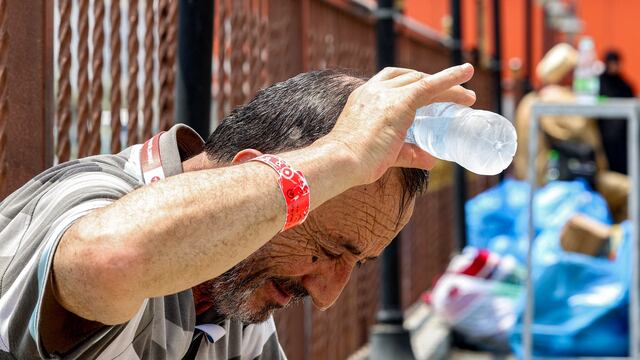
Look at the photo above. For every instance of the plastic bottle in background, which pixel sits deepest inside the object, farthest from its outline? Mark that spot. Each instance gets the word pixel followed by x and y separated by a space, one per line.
pixel 480 141
pixel 586 81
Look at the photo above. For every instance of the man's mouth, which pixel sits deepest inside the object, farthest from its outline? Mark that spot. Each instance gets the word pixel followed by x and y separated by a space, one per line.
pixel 278 293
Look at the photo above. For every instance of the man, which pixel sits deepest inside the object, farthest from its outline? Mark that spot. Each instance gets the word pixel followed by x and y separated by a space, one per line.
pixel 614 132
pixel 166 251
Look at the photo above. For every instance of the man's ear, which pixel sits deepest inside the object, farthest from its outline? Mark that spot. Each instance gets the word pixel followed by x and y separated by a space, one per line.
pixel 245 155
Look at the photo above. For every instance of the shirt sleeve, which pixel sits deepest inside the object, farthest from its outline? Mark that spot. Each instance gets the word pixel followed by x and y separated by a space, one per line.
pixel 110 342
pixel 21 306
pixel 107 343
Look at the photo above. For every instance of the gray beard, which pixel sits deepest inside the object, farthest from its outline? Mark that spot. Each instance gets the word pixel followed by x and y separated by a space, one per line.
pixel 231 292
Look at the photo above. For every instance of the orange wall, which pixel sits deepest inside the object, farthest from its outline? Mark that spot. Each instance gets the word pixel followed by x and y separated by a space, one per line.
pixel 609 22
pixel 614 24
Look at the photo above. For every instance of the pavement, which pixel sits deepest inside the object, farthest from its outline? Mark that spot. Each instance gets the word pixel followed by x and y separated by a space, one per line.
pixel 431 339
pixel 470 355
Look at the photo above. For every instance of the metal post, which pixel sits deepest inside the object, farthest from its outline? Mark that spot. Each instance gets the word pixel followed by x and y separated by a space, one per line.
pixel 480 31
pixel 389 338
pixel 195 41
pixel 496 61
pixel 456 33
pixel 527 337
pixel 459 182
pixel 633 160
pixel 29 91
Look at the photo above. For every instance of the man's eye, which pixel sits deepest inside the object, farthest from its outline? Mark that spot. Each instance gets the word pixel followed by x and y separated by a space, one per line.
pixel 363 261
pixel 329 254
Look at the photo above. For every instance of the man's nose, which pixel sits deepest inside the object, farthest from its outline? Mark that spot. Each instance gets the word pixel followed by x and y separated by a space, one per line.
pixel 325 285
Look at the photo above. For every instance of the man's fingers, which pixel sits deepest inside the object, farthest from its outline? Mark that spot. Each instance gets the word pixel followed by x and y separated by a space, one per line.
pixel 411 156
pixel 431 86
pixel 406 79
pixel 389 73
pixel 458 95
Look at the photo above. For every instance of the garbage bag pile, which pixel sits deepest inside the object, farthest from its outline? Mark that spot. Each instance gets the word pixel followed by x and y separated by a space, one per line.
pixel 478 295
pixel 581 274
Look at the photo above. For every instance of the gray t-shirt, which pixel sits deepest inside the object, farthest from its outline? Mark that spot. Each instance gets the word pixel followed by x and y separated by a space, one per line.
pixel 32 221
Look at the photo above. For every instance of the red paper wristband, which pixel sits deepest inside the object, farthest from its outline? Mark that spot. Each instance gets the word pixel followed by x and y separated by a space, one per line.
pixel 294 188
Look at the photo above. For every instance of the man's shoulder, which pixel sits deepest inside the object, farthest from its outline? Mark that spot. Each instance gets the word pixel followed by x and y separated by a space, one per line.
pixel 30 214
pixel 109 164
pixel 83 175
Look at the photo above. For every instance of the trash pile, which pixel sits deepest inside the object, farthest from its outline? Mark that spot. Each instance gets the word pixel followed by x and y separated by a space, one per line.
pixel 581 274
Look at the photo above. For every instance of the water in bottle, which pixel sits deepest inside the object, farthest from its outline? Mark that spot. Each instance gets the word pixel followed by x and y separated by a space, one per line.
pixel 480 141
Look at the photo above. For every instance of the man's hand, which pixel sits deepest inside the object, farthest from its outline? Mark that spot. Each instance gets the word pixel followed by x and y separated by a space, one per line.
pixel 375 120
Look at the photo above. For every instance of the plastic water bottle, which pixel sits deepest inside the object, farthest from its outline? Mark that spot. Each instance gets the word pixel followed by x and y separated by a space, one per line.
pixel 480 141
pixel 586 81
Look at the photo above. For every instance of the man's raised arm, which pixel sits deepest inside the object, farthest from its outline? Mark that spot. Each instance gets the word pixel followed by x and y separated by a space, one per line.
pixel 189 228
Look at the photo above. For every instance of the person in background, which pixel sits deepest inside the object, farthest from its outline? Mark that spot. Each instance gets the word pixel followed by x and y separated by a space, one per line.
pixel 553 71
pixel 614 132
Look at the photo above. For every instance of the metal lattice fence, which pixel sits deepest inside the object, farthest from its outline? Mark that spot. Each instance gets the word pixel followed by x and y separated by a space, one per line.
pixel 115 70
pixel 113 85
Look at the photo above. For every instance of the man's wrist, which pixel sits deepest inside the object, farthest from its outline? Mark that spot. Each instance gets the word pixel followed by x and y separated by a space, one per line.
pixel 294 187
pixel 344 162
pixel 329 167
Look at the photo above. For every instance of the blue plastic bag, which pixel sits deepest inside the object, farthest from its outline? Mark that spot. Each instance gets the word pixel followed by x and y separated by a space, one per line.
pixel 493 215
pixel 498 219
pixel 581 302
pixel 581 306
pixel 580 310
pixel 558 201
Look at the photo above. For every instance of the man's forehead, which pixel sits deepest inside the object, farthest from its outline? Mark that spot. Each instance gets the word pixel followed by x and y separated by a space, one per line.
pixel 368 215
pixel 384 194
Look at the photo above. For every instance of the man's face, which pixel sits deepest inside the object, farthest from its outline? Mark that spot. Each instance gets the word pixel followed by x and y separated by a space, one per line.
pixel 613 67
pixel 315 258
